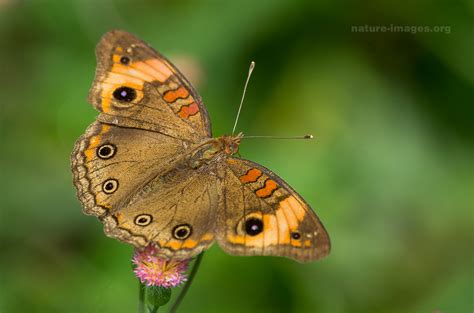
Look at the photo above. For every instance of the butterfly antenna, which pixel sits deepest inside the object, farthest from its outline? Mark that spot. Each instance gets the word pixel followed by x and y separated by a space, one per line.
pixel 279 137
pixel 252 66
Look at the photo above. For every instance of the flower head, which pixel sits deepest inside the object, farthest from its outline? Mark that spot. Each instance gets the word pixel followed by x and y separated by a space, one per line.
pixel 153 270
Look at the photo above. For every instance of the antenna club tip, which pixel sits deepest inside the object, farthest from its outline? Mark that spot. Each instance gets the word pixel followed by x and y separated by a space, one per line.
pixel 252 66
pixel 308 137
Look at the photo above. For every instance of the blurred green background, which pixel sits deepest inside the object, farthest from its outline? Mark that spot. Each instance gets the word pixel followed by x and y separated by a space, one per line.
pixel 390 172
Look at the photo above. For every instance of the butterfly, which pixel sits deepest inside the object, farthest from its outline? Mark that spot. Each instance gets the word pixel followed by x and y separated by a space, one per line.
pixel 150 170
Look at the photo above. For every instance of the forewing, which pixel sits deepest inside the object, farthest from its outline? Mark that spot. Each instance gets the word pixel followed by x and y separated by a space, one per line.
pixel 137 87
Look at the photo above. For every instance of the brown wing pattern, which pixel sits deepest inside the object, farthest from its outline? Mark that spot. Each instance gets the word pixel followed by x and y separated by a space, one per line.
pixel 109 163
pixel 143 196
pixel 176 211
pixel 137 87
pixel 262 215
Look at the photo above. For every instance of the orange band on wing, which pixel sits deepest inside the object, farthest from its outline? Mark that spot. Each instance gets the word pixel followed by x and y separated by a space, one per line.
pixel 94 142
pixel 146 68
pixel 189 243
pixel 174 244
pixel 160 66
pixel 171 244
pixel 271 230
pixel 172 95
pixel 133 75
pixel 268 189
pixel 277 227
pixel 131 71
pixel 251 176
pixel 207 237
pixel 119 79
pixel 188 110
pixel 295 206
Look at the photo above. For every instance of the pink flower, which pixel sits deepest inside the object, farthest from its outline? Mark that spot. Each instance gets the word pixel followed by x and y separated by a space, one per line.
pixel 153 270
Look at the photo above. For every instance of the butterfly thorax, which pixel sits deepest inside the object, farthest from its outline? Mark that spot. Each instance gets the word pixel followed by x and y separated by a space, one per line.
pixel 214 149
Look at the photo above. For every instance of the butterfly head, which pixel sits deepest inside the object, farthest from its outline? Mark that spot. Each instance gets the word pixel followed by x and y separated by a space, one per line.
pixel 231 143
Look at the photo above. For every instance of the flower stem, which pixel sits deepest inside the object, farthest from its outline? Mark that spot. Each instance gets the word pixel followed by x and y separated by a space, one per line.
pixel 141 297
pixel 183 292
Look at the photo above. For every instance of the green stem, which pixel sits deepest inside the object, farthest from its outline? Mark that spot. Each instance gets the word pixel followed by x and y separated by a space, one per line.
pixel 141 297
pixel 183 292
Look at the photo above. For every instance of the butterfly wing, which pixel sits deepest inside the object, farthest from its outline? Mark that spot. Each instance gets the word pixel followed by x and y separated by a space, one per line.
pixel 150 115
pixel 137 87
pixel 109 163
pixel 137 183
pixel 262 215
pixel 176 211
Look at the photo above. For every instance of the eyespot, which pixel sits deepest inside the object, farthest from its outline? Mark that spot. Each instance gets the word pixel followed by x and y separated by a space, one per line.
pixel 124 60
pixel 182 231
pixel 110 186
pixel 295 235
pixel 106 151
pixel 253 226
pixel 143 219
pixel 126 94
